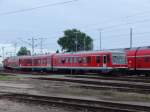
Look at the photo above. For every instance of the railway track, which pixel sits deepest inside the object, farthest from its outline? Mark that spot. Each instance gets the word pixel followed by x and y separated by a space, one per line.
pixel 123 86
pixel 130 79
pixel 87 105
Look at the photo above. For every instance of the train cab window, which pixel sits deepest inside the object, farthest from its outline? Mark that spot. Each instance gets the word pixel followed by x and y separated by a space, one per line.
pixel 98 59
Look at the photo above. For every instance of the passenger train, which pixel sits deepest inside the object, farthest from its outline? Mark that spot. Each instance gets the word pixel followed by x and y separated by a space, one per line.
pixel 137 59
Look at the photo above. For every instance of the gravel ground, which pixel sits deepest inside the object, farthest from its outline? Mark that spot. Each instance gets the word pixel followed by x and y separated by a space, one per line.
pixel 56 88
pixel 14 106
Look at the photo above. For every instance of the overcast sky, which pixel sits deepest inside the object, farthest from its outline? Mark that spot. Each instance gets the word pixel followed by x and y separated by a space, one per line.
pixel 114 17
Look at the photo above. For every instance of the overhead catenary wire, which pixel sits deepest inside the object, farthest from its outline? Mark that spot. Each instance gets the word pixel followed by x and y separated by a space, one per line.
pixel 33 8
pixel 117 25
pixel 41 44
pixel 126 35
pixel 37 7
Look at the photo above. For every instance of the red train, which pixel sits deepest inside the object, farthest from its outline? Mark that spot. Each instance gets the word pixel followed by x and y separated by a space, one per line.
pixel 103 61
pixel 137 59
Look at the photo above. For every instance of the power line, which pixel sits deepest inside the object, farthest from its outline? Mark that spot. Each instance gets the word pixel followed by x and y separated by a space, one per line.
pixel 32 44
pixel 124 35
pixel 138 14
pixel 38 7
pixel 41 44
pixel 121 24
pixel 123 18
pixel 15 48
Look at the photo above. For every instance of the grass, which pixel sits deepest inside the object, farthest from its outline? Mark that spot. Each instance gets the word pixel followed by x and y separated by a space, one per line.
pixel 7 78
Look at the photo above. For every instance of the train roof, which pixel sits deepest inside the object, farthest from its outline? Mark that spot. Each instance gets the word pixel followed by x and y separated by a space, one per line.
pixel 17 57
pixel 57 54
pixel 134 48
pixel 90 52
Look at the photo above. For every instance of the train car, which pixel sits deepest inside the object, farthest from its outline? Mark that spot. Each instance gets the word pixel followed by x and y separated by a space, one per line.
pixel 101 61
pixel 36 63
pixel 11 63
pixel 139 59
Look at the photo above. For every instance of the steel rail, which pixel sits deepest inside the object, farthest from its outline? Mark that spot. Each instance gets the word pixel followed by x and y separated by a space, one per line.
pixel 101 84
pixel 98 105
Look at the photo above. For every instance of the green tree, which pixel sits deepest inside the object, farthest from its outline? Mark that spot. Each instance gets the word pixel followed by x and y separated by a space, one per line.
pixel 57 51
pixel 75 40
pixel 23 51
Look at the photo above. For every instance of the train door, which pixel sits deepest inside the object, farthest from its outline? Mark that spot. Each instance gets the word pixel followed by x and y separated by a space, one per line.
pixel 104 61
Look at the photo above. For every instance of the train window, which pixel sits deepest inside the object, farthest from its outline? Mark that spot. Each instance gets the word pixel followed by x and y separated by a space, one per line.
pixel 63 60
pixel 115 59
pixel 29 61
pixel 60 61
pixel 89 59
pixel 147 59
pixel 37 61
pixel 70 59
pixel 84 60
pixel 98 59
pixel 119 59
pixel 108 58
pixel 80 60
pixel 66 60
pixel 49 60
pixel 75 60
pixel 105 59
pixel 44 61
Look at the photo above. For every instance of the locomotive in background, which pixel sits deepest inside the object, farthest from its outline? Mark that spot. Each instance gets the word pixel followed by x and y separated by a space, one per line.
pixel 136 59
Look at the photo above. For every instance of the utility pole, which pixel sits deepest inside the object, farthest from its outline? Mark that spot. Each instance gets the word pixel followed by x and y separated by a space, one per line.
pixel 32 44
pixel 3 53
pixel 41 44
pixel 15 48
pixel 76 42
pixel 131 37
pixel 84 43
pixel 100 39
